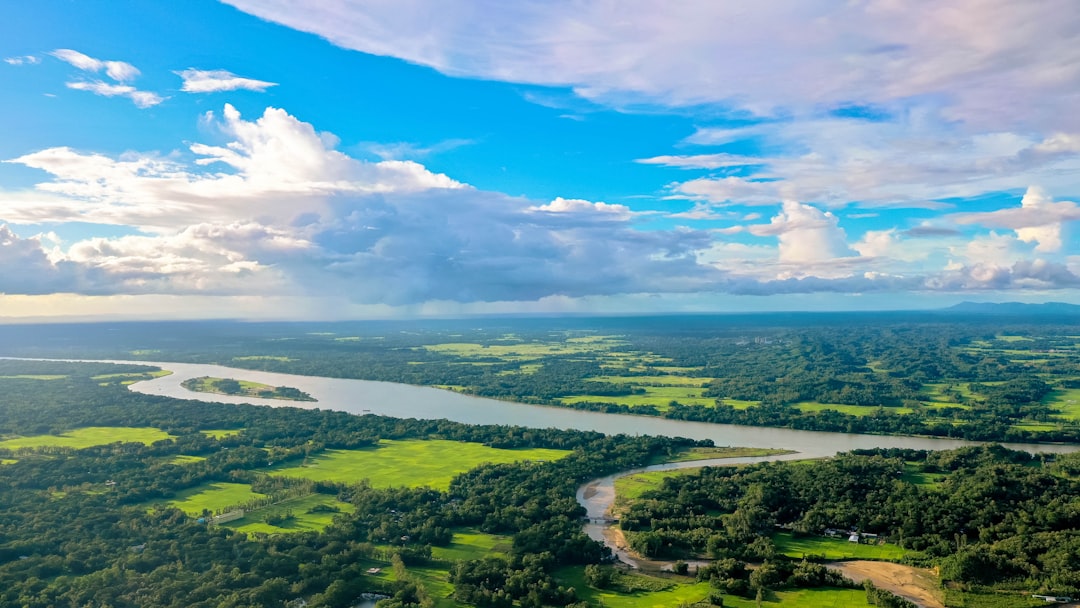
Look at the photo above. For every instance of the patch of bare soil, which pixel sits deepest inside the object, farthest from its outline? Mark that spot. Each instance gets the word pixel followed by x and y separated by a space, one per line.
pixel 917 585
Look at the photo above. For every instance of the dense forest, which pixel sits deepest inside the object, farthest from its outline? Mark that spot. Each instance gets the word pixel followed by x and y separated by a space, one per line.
pixel 984 515
pixel 75 529
pixel 982 377
pixel 94 526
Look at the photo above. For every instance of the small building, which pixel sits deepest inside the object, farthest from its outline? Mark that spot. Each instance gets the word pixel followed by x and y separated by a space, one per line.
pixel 374 570
pixel 854 538
pixel 1053 599
pixel 230 516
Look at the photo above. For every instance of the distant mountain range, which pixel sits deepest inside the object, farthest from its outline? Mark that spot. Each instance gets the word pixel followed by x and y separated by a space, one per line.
pixel 1014 308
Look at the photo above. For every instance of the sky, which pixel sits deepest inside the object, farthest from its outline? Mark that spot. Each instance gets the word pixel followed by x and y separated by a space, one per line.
pixel 287 159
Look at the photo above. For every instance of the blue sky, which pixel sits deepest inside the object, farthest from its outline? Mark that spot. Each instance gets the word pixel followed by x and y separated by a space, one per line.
pixel 283 159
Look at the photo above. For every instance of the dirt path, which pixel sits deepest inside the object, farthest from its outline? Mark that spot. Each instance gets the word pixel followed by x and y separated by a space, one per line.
pixel 917 585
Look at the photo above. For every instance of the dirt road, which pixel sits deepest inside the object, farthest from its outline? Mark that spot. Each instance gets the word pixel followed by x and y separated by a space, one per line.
pixel 917 585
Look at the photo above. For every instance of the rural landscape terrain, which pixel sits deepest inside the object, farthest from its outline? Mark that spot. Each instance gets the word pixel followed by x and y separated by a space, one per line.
pixel 114 497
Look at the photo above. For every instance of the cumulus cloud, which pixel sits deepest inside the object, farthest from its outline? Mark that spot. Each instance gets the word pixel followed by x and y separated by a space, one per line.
pixel 578 206
pixel 806 234
pixel 215 81
pixel 276 167
pixel 1038 220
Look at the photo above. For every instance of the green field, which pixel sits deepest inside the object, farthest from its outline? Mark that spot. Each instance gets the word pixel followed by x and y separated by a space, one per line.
pixel 805 598
pixel 130 377
pixel 676 591
pixel 721 452
pixel 1066 401
pixel 653 380
pixel 913 475
pixel 657 396
pixel 472 544
pixel 302 520
pixel 244 388
pixel 34 377
pixel 411 463
pixel 88 437
pixel 833 548
pixel 854 410
pixel 221 433
pixel 212 497
pixel 631 487
pixel 183 459
pixel 4 461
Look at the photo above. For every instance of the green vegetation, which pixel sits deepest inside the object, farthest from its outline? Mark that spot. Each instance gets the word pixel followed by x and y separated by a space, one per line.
pixel 833 548
pixel 430 463
pixel 1066 402
pixel 213 498
pixel 630 488
pixel 221 433
pixel 312 513
pixel 664 592
pixel 88 437
pixel 692 454
pixel 34 377
pixel 473 544
pixel 229 386
pixel 659 397
pixel 185 459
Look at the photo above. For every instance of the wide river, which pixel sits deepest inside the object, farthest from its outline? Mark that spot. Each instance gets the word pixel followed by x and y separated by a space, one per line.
pixel 406 401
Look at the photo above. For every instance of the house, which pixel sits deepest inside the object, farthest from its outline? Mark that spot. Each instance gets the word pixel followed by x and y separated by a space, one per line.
pixel 374 570
pixel 854 538
pixel 1053 599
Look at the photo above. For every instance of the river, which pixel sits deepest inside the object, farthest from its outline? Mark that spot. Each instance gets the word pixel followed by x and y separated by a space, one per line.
pixel 406 401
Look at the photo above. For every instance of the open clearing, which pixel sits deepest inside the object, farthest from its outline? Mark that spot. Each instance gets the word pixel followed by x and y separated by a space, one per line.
pixel 473 544
pixel 411 463
pixel 221 433
pixel 211 496
pixel 833 548
pixel 1066 401
pixel 854 410
pixel 918 585
pixel 89 436
pixel 302 520
pixel 677 591
pixel 914 475
pixel 659 397
pixel 34 377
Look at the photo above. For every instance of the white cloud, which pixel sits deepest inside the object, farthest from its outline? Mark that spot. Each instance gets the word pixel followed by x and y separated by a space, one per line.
pixel 1038 220
pixel 912 161
pixel 215 81
pixel 805 234
pixel 141 99
pixel 990 63
pixel 276 167
pixel 22 60
pixel 579 206
pixel 119 71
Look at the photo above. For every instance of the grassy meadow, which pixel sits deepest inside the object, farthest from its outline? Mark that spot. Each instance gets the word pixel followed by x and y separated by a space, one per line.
pixel 88 437
pixel 306 515
pixel 413 463
pixel 211 497
pixel 834 548
pixel 472 544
